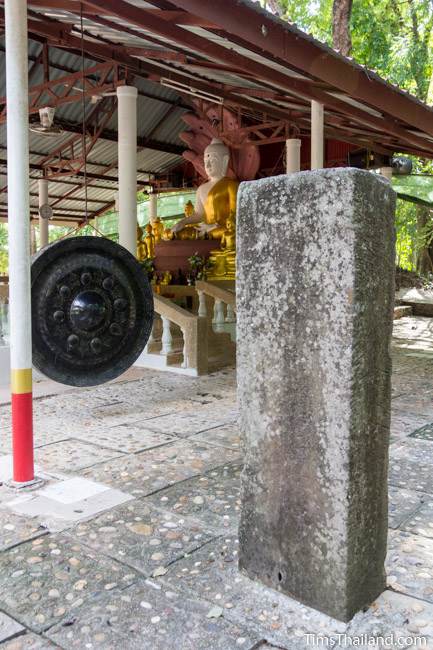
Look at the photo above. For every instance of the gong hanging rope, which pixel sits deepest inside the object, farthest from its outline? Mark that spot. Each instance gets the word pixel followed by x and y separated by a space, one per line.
pixel 83 104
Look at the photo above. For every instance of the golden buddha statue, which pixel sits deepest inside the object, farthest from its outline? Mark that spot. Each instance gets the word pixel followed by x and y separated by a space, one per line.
pixel 149 240
pixel 166 278
pixel 216 198
pixel 141 246
pixel 224 261
pixel 167 235
pixel 158 229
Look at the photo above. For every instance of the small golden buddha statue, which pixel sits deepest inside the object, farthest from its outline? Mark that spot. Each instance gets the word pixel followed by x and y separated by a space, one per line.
pixel 189 231
pixel 149 240
pixel 158 229
pixel 216 198
pixel 141 246
pixel 167 235
pixel 224 261
pixel 166 278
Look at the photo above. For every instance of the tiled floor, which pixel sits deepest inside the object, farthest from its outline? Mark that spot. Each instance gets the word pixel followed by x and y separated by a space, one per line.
pixel 130 543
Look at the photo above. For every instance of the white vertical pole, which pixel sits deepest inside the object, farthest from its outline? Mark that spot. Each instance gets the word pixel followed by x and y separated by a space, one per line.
pixel 153 207
pixel 127 165
pixel 19 234
pixel 317 135
pixel 293 155
pixel 43 223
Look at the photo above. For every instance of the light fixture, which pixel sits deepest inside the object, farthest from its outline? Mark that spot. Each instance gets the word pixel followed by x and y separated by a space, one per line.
pixel 189 90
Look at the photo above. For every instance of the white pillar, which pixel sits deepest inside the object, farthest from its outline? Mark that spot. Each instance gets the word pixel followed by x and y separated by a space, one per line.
pixel 127 166
pixel 43 223
pixel 293 155
pixel 317 136
pixel 153 207
pixel 386 172
pixel 19 237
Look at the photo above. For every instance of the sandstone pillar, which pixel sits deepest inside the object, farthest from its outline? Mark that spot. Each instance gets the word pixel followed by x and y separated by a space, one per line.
pixel 315 291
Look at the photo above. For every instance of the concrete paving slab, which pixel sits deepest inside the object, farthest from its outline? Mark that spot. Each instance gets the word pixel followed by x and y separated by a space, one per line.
pixel 127 438
pixel 29 642
pixel 211 572
pixel 55 508
pixel 155 469
pixel 72 455
pixel 9 627
pixel 411 465
pixel 403 504
pixel 187 424
pixel 15 530
pixel 44 580
pixel 144 617
pixel 421 522
pixel 212 499
pixel 142 536
pixel 409 564
pixel 225 436
pixel 403 424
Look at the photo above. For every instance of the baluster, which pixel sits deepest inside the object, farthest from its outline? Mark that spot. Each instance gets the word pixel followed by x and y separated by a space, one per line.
pixel 231 316
pixel 150 340
pixel 167 339
pixel 219 316
pixel 185 359
pixel 202 311
pixel 2 323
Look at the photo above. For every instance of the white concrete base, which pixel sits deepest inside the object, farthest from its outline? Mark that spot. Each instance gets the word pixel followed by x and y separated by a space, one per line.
pixel 158 362
pixel 5 365
pixel 63 504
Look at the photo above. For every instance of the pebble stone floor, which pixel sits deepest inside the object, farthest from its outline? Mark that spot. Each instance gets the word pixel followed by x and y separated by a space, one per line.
pixel 130 541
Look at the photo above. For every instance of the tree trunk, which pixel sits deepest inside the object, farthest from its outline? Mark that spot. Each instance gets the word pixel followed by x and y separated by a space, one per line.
pixel 425 251
pixel 341 39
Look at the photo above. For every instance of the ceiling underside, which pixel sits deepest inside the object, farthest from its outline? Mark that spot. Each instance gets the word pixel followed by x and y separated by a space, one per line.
pixel 232 53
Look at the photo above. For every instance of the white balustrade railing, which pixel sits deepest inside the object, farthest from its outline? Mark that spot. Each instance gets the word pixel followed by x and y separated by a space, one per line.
pixel 4 322
pixel 224 309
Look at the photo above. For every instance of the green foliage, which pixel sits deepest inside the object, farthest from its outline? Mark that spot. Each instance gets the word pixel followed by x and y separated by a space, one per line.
pixel 4 257
pixel 392 37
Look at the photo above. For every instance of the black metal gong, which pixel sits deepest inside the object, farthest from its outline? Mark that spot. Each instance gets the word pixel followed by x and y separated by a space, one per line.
pixel 92 310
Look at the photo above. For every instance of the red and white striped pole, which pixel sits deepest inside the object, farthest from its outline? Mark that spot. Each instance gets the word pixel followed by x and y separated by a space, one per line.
pixel 19 244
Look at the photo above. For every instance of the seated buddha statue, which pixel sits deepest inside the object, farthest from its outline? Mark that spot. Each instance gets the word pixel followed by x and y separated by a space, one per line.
pixel 216 198
pixel 149 240
pixel 141 246
pixel 189 230
pixel 223 261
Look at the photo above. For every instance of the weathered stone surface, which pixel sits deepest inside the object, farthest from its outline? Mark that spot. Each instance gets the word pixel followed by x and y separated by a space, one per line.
pixel 315 305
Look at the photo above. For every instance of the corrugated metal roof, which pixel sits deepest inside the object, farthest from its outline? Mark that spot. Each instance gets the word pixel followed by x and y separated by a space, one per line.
pixel 158 116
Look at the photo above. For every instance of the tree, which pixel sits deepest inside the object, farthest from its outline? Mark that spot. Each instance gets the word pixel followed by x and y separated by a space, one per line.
pixel 341 37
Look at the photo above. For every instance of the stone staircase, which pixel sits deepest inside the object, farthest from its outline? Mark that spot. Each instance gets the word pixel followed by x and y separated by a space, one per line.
pixel 193 341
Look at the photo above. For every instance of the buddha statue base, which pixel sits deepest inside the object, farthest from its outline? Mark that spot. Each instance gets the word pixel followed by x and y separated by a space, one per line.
pixel 223 265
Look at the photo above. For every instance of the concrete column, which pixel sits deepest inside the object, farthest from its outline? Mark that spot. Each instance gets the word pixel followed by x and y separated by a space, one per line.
pixel 314 371
pixel 43 223
pixel 317 136
pixel 17 105
pixel 127 164
pixel 386 172
pixel 153 207
pixel 33 247
pixel 293 155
